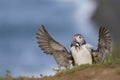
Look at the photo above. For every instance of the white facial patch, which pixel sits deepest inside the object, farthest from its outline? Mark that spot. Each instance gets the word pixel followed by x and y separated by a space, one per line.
pixel 80 39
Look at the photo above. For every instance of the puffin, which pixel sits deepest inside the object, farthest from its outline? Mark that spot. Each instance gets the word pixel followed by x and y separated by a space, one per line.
pixel 80 51
pixel 83 53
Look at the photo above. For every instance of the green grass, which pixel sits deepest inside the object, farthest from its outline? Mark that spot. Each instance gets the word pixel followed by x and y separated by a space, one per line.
pixel 76 68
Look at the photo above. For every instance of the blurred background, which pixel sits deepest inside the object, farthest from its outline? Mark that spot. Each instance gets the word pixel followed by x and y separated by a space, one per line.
pixel 20 20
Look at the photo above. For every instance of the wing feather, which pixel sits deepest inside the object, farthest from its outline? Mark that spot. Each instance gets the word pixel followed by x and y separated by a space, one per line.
pixel 104 43
pixel 46 42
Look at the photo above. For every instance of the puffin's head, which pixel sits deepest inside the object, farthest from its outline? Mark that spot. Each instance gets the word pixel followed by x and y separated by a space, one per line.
pixel 78 40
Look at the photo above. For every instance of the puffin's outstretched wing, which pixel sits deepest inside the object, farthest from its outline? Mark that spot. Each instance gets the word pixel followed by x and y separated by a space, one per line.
pixel 104 44
pixel 49 46
pixel 46 42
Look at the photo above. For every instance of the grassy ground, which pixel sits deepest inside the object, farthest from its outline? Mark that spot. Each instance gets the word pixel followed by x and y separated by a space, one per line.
pixel 109 70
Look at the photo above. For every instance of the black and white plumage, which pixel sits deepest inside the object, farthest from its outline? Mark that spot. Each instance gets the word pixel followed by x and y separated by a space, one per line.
pixel 80 51
pixel 83 53
pixel 49 46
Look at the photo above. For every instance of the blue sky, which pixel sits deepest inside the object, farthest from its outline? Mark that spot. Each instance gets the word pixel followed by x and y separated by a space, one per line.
pixel 19 21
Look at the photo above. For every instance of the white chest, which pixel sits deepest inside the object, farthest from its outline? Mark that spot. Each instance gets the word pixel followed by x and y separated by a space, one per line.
pixel 81 55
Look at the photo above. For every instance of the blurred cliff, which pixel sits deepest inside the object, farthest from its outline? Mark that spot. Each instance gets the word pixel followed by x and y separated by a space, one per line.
pixel 108 14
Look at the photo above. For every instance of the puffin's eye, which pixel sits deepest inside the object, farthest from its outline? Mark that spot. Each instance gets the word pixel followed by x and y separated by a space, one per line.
pixel 80 37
